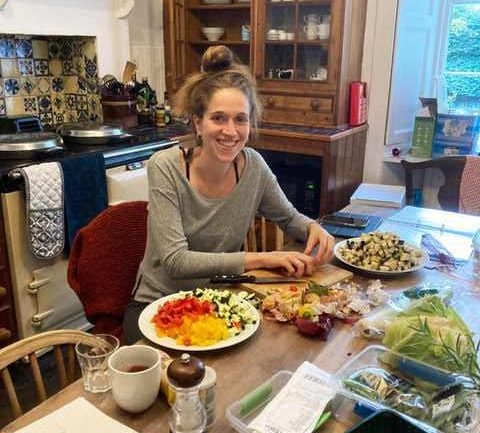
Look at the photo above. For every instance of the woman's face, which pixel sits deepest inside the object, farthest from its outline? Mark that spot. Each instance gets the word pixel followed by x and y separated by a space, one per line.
pixel 225 126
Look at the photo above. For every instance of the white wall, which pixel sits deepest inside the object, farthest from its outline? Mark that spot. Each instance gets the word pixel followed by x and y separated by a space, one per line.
pixel 376 71
pixel 146 42
pixel 73 17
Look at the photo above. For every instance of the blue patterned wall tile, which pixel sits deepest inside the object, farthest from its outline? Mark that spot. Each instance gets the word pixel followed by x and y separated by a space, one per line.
pixel 70 103
pixel 54 51
pixel 24 48
pixel 28 86
pixel 41 67
pixel 11 86
pixel 66 49
pixel 30 104
pixel 3 110
pixel 81 102
pixel 90 67
pixel 44 104
pixel 46 118
pixel 25 66
pixel 7 48
pixel 57 84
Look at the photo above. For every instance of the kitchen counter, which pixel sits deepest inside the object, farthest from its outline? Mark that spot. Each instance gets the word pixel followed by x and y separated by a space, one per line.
pixel 144 142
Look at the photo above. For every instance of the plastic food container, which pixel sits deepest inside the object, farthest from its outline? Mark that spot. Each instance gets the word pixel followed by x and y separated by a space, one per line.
pixel 244 411
pixel 455 408
pixel 241 413
pixel 386 421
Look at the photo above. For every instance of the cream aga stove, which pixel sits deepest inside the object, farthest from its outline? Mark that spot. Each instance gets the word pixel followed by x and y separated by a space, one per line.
pixel 43 300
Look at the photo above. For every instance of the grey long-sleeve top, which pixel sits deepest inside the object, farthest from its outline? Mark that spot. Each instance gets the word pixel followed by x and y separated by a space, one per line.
pixel 192 237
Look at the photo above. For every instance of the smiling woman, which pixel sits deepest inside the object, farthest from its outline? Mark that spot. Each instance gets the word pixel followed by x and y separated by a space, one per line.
pixel 203 199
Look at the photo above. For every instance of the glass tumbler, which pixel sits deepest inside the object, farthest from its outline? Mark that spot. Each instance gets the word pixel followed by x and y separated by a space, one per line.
pixel 93 360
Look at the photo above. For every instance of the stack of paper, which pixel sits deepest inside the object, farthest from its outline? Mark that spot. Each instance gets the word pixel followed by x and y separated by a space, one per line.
pixel 78 416
pixel 298 406
pixel 379 195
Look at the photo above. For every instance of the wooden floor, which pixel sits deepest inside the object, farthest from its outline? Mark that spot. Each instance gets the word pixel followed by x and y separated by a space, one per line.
pixel 22 378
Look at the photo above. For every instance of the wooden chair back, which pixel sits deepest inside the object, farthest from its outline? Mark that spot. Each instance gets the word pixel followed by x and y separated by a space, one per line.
pixel 264 235
pixel 28 347
pixel 451 167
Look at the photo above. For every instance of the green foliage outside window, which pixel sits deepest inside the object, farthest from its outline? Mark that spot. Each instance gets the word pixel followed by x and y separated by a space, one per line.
pixel 462 72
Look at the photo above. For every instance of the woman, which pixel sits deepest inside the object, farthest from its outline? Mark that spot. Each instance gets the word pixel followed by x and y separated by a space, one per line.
pixel 203 200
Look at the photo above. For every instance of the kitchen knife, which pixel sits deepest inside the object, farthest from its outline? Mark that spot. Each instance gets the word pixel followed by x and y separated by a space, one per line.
pixel 252 279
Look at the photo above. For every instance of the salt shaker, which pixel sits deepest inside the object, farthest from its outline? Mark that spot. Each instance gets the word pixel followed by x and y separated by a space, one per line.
pixel 188 413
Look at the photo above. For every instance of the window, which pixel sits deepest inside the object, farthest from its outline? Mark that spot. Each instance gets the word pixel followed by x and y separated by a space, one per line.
pixel 436 54
pixel 461 71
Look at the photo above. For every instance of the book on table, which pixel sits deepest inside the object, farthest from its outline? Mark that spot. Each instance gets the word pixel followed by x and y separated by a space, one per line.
pixel 379 195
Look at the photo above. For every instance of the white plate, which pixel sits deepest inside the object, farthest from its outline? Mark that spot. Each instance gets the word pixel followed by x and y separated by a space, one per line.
pixel 148 328
pixel 378 272
pixel 216 2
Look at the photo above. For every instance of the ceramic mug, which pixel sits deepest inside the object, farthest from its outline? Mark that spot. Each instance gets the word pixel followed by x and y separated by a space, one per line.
pixel 136 374
pixel 272 34
pixel 323 30
pixel 311 31
pixel 310 19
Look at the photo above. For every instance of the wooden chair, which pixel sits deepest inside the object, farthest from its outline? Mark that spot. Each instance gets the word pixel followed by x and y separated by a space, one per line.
pixel 263 236
pixel 27 348
pixel 451 168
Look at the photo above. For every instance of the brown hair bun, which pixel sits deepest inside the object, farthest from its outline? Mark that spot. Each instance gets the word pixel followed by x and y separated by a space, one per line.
pixel 217 58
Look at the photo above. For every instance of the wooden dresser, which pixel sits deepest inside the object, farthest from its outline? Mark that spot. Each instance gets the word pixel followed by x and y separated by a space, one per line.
pixel 303 77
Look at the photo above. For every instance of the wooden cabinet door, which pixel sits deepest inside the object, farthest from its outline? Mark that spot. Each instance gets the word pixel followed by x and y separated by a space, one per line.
pixel 174 24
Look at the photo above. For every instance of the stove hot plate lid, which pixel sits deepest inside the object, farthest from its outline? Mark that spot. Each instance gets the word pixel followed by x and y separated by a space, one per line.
pixel 90 130
pixel 30 141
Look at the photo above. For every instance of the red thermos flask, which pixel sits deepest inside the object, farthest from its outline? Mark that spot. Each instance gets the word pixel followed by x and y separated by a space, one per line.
pixel 358 103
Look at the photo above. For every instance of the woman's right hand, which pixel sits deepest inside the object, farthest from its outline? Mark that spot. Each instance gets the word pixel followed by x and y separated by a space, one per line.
pixel 293 263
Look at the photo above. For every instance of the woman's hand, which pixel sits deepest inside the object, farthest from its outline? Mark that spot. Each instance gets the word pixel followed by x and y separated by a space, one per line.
pixel 292 263
pixel 318 236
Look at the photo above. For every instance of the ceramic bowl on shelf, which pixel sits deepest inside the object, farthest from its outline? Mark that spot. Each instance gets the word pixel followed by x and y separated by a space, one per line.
pixel 216 2
pixel 213 33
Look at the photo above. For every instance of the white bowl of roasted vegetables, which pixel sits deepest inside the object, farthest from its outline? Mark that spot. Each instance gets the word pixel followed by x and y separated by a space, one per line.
pixel 380 253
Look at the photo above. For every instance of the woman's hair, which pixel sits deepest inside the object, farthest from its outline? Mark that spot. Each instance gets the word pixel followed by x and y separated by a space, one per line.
pixel 220 70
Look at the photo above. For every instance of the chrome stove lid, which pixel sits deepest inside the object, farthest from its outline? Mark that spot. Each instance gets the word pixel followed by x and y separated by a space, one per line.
pixel 26 145
pixel 90 130
pixel 28 141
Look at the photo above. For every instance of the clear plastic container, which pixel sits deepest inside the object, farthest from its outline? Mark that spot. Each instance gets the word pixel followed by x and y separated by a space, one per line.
pixel 244 411
pixel 426 380
pixel 241 413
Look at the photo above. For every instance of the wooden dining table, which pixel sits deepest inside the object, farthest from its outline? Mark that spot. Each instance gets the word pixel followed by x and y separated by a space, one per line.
pixel 274 347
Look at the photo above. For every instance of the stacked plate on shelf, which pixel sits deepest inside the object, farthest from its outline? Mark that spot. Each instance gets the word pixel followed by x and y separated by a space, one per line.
pixel 216 2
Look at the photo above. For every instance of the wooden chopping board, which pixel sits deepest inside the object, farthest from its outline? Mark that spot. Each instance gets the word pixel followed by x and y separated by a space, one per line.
pixel 326 276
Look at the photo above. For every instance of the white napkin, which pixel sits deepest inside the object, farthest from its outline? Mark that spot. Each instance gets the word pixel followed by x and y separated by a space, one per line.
pixel 78 416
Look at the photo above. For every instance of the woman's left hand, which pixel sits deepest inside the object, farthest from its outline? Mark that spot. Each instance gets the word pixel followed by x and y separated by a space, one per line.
pixel 319 237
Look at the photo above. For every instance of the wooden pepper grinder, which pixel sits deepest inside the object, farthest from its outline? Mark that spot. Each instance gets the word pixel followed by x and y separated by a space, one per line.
pixel 187 414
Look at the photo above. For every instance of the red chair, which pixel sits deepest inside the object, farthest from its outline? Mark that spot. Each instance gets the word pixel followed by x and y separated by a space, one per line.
pixel 104 261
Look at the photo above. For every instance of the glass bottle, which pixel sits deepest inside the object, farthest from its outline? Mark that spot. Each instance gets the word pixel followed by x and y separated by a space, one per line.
pixel 168 109
pixel 188 413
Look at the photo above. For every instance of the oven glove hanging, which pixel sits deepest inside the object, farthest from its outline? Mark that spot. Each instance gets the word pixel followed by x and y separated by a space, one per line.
pixel 44 208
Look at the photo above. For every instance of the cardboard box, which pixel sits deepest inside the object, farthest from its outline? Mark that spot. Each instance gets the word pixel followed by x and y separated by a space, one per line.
pixel 423 134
